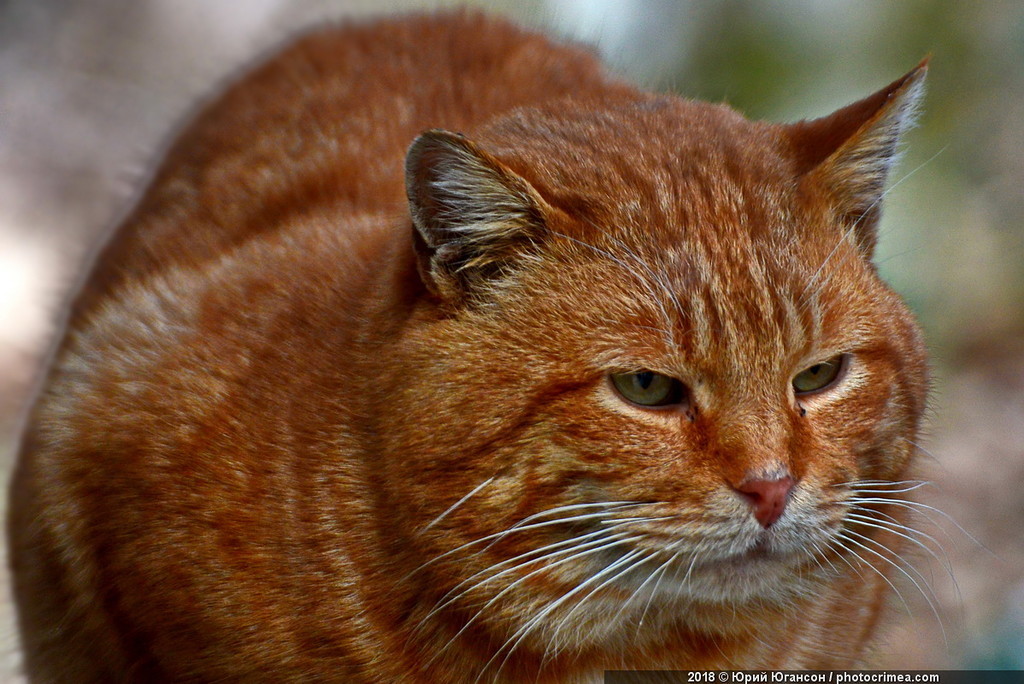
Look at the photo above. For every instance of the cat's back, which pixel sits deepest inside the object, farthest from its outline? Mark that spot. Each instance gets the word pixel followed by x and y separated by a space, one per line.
pixel 320 131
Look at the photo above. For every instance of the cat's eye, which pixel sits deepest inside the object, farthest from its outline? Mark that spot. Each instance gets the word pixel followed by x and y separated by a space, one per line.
pixel 647 388
pixel 820 376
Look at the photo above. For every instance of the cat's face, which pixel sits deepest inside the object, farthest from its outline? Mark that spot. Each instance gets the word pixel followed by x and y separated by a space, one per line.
pixel 666 380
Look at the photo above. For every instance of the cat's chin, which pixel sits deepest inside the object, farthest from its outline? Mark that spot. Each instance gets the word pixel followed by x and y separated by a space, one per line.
pixel 704 597
pixel 756 574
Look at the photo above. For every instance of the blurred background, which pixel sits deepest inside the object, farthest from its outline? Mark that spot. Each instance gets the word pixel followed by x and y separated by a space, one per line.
pixel 90 91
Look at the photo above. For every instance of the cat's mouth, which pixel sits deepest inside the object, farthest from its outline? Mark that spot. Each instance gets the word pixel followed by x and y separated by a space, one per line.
pixel 774 563
pixel 761 552
pixel 756 572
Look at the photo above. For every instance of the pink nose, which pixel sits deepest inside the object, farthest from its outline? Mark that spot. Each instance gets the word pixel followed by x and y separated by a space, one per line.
pixel 767 497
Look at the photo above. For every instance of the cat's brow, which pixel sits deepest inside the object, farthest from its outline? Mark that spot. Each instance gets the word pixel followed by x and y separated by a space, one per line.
pixel 669 330
pixel 657 276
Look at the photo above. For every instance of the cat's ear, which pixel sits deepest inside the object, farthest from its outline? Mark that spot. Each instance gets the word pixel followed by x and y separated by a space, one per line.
pixel 472 215
pixel 849 153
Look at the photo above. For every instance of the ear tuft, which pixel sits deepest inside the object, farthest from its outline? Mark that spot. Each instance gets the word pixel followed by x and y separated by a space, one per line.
pixel 850 153
pixel 471 214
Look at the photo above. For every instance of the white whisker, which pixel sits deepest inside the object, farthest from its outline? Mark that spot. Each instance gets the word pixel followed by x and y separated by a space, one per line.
pixel 522 527
pixel 881 574
pixel 884 518
pixel 544 553
pixel 517 637
pixel 576 552
pixel 905 571
pixel 460 502
pixel 639 556
pixel 883 486
pixel 885 526
pixel 660 573
pixel 923 509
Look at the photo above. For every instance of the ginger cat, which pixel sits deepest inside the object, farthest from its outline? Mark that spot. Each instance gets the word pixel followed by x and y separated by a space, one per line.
pixel 602 380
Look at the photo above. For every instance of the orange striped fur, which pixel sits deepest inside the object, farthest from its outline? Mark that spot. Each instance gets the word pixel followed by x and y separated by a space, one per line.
pixel 339 400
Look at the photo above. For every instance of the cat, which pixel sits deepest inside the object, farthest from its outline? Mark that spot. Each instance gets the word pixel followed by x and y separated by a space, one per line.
pixel 434 353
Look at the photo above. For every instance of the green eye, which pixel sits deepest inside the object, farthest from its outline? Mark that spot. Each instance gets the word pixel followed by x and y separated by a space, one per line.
pixel 648 388
pixel 819 376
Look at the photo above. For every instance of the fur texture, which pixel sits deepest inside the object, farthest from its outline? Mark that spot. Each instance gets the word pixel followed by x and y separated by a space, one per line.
pixel 315 419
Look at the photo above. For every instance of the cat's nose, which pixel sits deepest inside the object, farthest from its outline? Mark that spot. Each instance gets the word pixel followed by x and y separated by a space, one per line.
pixel 767 497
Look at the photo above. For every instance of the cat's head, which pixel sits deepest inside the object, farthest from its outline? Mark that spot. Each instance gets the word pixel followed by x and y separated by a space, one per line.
pixel 655 363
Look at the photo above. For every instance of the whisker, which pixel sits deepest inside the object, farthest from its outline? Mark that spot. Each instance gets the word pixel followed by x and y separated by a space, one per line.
pixel 545 553
pixel 947 564
pixel 904 572
pixel 910 504
pixel 517 637
pixel 821 554
pixel 656 573
pixel 661 572
pixel 923 508
pixel 576 553
pixel 639 519
pixel 884 485
pixel 885 579
pixel 884 518
pixel 881 519
pixel 838 542
pixel 524 631
pixel 460 502
pixel 920 448
pixel 860 492
pixel 895 529
pixel 805 297
pixel 521 526
pixel 627 560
